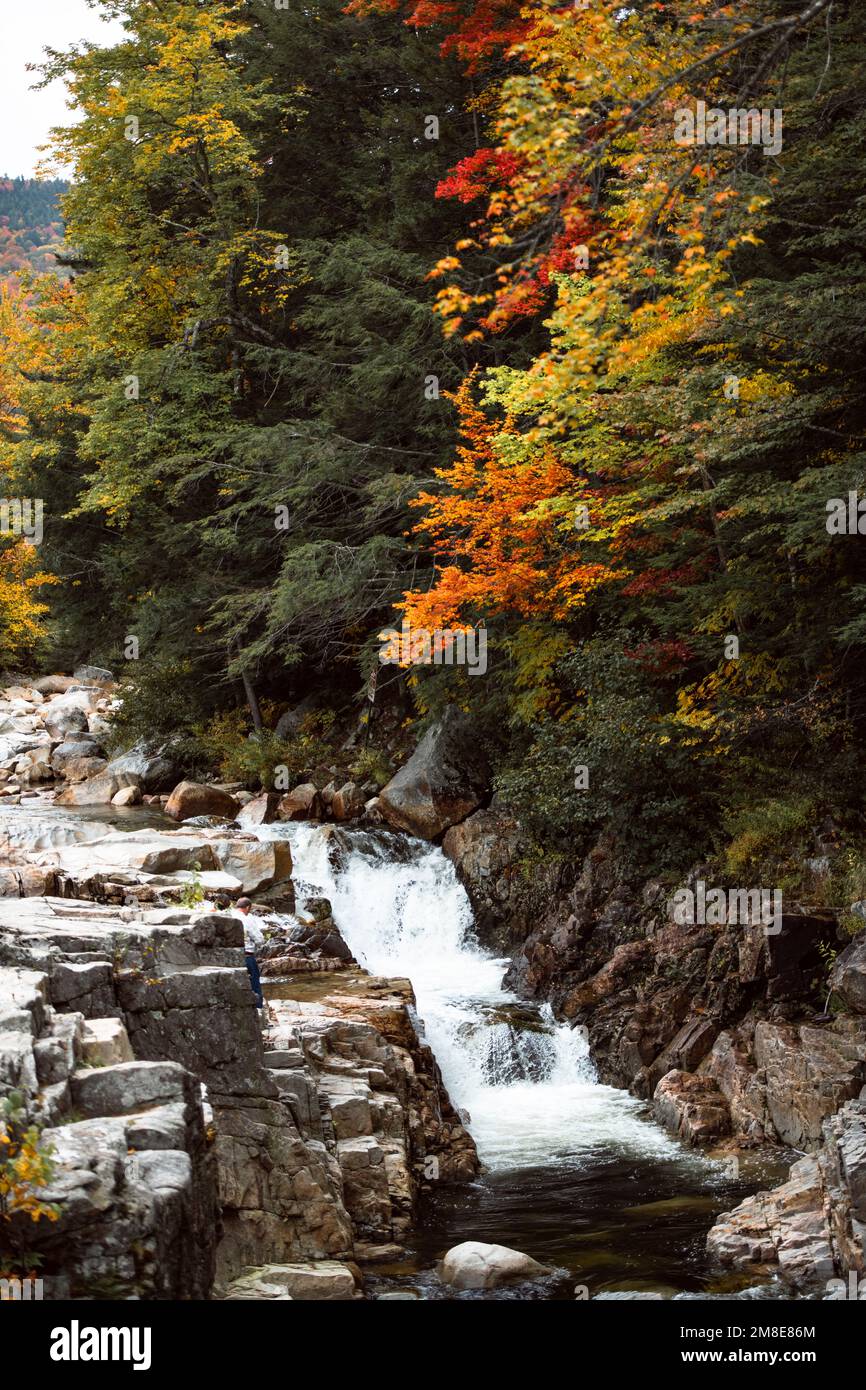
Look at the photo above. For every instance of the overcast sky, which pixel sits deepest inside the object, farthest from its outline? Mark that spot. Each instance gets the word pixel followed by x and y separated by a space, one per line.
pixel 26 117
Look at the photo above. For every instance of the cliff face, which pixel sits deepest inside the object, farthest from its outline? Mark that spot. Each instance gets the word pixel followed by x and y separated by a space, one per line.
pixel 218 1154
pixel 720 1025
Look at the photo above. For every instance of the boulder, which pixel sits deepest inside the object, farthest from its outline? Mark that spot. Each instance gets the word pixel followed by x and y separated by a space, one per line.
pixel 54 685
pixel 260 811
pixel 14 743
pixel 127 796
pixel 348 802
pixel 326 1280
pixel 848 977
pixel 476 1265
pixel 93 675
pixel 84 768
pixel 61 722
pixel 303 803
pixel 144 851
pixel 444 781
pixel 154 767
pixel 256 863
pixel 197 799
pixel 72 749
pixel 35 765
pixel 289 724
pixel 96 791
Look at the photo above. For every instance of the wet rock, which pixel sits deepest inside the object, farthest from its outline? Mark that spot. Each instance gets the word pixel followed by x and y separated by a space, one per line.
pixel 348 802
pixel 811 1229
pixel 196 799
pixel 486 850
pixel 444 781
pixel 692 1107
pixel 321 1280
pixel 261 810
pixel 127 796
pixel 476 1265
pixel 301 804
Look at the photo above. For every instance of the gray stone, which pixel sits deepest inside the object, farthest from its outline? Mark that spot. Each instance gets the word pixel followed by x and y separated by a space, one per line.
pixel 128 1086
pixel 93 675
pixel 443 782
pixel 848 976
pixel 477 1265
pixel 154 768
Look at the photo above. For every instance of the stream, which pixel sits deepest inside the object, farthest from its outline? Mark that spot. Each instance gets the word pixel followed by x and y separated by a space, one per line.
pixel 575 1173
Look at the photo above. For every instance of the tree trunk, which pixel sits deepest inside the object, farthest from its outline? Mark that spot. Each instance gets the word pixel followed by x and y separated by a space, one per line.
pixel 252 701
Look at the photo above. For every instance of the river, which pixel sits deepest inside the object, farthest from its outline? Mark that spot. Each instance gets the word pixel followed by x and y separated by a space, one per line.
pixel 575 1173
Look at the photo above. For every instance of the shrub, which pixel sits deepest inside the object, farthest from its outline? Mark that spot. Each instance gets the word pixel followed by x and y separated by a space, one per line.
pixel 25 1167
pixel 253 758
pixel 648 782
pixel 773 833
pixel 161 704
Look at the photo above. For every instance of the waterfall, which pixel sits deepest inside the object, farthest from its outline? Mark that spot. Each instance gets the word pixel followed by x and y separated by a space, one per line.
pixel 527 1083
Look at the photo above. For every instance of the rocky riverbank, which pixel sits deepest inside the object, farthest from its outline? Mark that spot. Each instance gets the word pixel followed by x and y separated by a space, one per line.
pixel 721 1027
pixel 318 1136
pixel 194 1151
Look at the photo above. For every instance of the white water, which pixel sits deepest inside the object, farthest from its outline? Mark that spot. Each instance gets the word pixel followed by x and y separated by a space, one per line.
pixel 530 1091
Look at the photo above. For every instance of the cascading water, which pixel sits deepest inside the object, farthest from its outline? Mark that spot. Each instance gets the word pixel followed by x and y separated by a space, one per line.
pixel 527 1084
pixel 573 1172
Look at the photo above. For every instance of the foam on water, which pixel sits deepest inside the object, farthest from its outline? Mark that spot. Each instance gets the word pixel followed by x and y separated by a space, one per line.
pixel 527 1083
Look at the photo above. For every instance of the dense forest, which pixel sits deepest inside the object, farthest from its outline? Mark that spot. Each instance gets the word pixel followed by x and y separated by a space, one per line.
pixel 31 225
pixel 545 318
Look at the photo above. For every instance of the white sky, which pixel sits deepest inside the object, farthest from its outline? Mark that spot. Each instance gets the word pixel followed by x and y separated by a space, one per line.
pixel 26 117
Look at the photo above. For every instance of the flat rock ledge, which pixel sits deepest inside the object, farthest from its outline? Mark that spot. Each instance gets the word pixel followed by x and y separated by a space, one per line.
pixel 195 1156
pixel 811 1231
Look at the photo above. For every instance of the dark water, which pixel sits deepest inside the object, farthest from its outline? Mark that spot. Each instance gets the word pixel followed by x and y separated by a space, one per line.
pixel 614 1223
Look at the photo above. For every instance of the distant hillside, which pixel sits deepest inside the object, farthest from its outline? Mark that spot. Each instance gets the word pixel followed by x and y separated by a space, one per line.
pixel 31 225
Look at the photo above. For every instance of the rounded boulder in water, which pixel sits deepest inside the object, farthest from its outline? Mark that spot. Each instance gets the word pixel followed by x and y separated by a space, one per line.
pixel 476 1265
